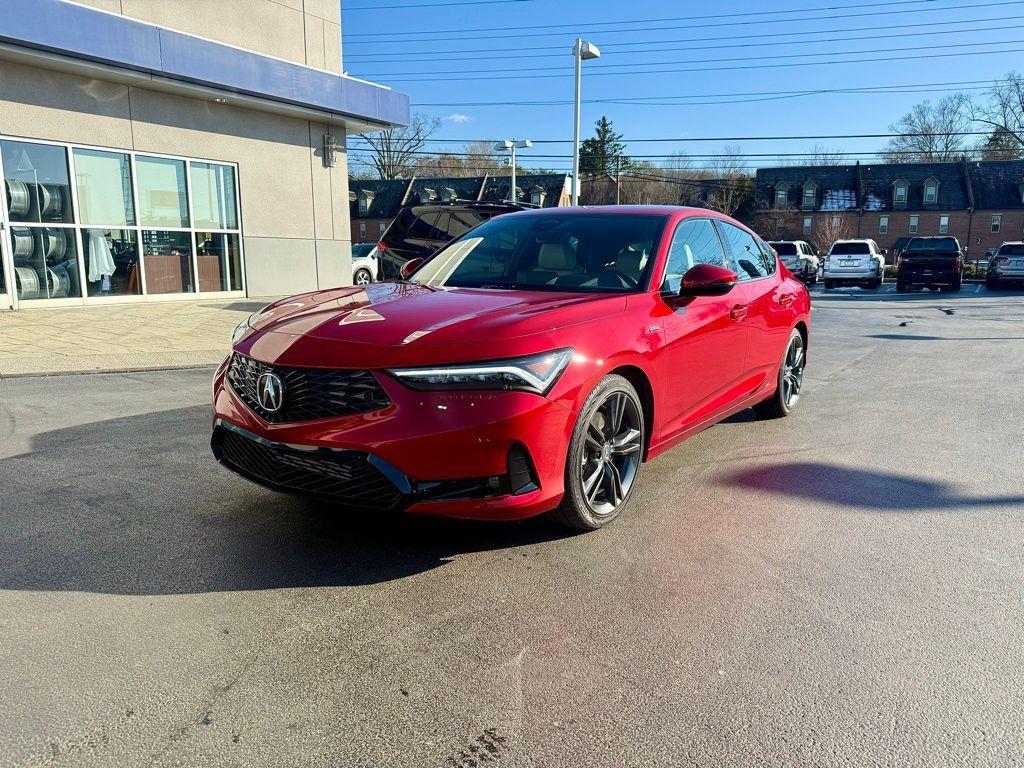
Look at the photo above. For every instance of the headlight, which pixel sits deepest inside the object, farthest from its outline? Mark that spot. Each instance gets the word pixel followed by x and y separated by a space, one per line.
pixel 534 373
pixel 242 328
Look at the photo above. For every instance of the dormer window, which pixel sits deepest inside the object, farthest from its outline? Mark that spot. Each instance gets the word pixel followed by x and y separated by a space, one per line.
pixel 537 195
pixel 365 198
pixel 931 191
pixel 810 198
pixel 426 195
pixel 448 195
pixel 781 195
pixel 899 193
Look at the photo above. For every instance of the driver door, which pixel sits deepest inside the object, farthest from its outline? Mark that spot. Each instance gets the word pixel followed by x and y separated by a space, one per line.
pixel 705 337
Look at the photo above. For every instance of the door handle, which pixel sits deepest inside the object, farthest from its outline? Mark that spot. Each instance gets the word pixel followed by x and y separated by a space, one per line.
pixel 739 312
pixel 786 299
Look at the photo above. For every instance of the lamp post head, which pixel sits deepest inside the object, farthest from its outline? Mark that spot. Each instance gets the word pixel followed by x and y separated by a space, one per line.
pixel 503 145
pixel 586 50
pixel 524 144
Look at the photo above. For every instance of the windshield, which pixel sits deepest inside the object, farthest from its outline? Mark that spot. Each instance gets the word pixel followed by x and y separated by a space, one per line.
pixel 579 252
pixel 784 249
pixel 1012 250
pixel 944 244
pixel 851 249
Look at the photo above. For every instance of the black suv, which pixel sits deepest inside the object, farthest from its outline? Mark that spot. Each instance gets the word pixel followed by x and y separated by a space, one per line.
pixel 930 261
pixel 420 230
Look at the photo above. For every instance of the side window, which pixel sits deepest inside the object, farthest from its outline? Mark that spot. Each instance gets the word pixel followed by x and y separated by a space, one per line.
pixel 745 257
pixel 425 226
pixel 767 257
pixel 461 222
pixel 441 228
pixel 695 242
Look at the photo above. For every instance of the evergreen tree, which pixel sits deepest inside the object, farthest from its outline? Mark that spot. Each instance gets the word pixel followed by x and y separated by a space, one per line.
pixel 599 154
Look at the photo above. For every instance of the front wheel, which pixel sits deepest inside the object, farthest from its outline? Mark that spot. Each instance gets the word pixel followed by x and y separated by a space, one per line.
pixel 790 381
pixel 362 277
pixel 604 456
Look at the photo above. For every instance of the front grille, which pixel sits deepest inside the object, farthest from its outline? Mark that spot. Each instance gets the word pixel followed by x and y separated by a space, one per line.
pixel 309 393
pixel 343 477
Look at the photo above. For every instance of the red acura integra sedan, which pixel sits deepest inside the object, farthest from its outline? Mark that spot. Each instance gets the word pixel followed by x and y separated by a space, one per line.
pixel 529 366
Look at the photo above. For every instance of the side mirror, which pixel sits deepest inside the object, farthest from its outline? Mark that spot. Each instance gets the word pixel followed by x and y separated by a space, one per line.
pixel 409 267
pixel 708 280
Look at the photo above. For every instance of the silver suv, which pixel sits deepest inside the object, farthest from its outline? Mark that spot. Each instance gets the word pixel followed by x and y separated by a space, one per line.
pixel 1006 267
pixel 858 262
pixel 800 258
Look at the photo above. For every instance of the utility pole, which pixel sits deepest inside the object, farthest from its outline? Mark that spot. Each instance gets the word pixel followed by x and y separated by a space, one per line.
pixel 618 177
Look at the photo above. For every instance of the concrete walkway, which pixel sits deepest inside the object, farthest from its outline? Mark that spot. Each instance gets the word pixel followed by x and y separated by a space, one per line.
pixel 124 337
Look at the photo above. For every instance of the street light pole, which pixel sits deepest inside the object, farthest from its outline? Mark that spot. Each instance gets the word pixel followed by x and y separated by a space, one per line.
pixel 511 145
pixel 581 52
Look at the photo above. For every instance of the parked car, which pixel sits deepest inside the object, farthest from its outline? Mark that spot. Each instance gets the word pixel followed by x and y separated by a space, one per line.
pixel 529 366
pixel 800 258
pixel 420 230
pixel 364 263
pixel 1006 267
pixel 858 262
pixel 930 261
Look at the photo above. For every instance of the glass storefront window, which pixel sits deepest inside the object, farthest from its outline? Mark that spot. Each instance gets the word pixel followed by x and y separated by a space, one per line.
pixel 45 263
pixel 111 262
pixel 163 196
pixel 104 185
pixel 220 261
pixel 168 261
pixel 36 182
pixel 213 196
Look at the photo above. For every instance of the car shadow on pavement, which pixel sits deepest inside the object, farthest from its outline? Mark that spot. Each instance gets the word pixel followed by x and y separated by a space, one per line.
pixel 137 505
pixel 861 488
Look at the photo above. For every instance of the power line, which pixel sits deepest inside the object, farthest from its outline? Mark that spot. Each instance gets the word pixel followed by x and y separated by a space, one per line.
pixel 621 22
pixel 689 139
pixel 460 34
pixel 772 37
pixel 606 69
pixel 431 4
pixel 960 84
pixel 888 59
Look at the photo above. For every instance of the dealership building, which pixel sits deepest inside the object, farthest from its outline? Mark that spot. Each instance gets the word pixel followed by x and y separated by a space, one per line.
pixel 155 150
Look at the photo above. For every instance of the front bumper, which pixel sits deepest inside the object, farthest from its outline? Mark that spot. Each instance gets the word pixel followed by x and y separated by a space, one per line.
pixel 481 455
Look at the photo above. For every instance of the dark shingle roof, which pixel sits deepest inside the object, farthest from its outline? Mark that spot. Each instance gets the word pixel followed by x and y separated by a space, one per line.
pixel 388 193
pixel 994 184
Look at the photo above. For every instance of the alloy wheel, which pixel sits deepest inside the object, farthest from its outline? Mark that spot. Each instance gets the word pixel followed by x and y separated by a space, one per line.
pixel 611 453
pixel 362 277
pixel 793 372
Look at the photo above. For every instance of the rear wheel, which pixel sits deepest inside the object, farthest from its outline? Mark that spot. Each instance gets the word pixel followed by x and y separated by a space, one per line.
pixel 957 283
pixel 604 456
pixel 901 287
pixel 829 285
pixel 362 277
pixel 992 285
pixel 790 382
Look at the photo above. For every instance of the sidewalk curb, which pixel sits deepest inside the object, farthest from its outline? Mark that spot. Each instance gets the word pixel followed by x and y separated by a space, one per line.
pixel 107 371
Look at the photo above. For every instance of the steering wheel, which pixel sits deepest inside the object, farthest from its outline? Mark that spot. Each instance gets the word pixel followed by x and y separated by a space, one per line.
pixel 628 281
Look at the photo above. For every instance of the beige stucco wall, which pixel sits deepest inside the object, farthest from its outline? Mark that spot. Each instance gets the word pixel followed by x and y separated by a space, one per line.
pixel 304 31
pixel 295 219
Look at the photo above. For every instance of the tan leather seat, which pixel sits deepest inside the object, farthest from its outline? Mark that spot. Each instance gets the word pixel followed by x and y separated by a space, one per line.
pixel 557 258
pixel 630 262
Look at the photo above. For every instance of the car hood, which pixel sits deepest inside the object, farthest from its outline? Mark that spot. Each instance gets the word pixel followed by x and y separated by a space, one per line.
pixel 385 324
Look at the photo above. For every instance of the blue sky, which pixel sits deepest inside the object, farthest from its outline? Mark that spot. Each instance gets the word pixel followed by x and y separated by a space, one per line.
pixel 653 50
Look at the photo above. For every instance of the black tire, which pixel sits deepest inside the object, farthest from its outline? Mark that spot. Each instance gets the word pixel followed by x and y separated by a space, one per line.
pixel 829 285
pixel 588 513
pixel 901 287
pixel 957 283
pixel 362 277
pixel 992 285
pixel 789 382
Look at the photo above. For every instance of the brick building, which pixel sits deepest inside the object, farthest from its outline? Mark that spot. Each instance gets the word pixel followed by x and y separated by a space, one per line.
pixel 980 203
pixel 373 203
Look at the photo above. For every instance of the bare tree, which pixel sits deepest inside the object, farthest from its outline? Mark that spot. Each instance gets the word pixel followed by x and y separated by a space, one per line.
pixel 932 132
pixel 831 228
pixel 1004 113
pixel 393 152
pixel 732 185
pixel 474 159
pixel 822 155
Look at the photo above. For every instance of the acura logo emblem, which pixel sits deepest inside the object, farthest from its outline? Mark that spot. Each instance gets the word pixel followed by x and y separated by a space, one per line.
pixel 270 392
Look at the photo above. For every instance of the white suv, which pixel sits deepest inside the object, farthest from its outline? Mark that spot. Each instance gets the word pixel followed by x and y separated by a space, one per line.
pixel 860 262
pixel 800 258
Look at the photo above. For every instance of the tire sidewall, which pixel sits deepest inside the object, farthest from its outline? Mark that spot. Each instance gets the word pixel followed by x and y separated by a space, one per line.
pixel 574 495
pixel 780 391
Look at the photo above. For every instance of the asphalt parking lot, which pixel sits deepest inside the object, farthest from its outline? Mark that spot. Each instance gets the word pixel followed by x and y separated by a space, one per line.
pixel 843 587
